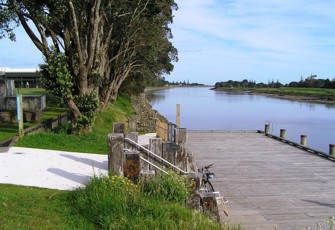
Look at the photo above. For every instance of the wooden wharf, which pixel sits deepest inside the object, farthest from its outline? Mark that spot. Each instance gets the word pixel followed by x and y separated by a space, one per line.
pixel 269 184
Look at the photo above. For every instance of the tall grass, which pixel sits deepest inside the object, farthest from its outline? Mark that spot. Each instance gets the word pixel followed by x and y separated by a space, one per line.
pixel 116 203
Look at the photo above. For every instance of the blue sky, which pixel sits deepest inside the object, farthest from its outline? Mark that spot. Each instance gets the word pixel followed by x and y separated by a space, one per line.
pixel 220 40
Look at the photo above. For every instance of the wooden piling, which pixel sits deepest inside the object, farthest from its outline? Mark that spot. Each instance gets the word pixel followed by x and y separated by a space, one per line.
pixel 132 136
pixel 181 154
pixel 155 146
pixel 193 200
pixel 178 116
pixel 303 140
pixel 332 150
pixel 283 133
pixel 131 168
pixel 118 127
pixel 168 151
pixel 267 129
pixel 210 205
pixel 115 153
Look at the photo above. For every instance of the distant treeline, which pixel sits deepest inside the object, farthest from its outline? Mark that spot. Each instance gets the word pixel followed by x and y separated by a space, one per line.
pixel 309 82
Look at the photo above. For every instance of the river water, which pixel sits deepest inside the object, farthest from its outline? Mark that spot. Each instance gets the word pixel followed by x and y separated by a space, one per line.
pixel 205 109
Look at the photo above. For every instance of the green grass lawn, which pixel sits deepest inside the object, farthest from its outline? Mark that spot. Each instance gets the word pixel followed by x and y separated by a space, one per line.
pixel 105 203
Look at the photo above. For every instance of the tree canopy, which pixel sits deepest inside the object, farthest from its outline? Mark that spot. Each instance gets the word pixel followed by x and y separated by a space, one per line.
pixel 92 46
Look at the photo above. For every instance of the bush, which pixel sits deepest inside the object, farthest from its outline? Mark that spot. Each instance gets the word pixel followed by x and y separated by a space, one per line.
pixel 172 187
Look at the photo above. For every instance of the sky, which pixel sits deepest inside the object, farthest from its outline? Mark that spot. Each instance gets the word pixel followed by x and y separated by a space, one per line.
pixel 221 40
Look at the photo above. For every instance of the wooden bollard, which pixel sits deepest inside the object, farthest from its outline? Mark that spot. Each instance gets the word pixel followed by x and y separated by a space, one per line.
pixel 118 127
pixel 155 146
pixel 332 150
pixel 181 154
pixel 178 115
pixel 193 200
pixel 210 205
pixel 303 140
pixel 132 168
pixel 169 150
pixel 283 133
pixel 267 128
pixel 115 153
pixel 132 136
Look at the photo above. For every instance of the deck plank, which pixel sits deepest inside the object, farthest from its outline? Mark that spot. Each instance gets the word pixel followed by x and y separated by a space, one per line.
pixel 269 184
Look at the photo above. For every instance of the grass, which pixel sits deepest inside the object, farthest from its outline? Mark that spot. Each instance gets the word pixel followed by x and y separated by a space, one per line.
pixel 105 203
pixel 10 130
pixel 35 208
pixel 313 92
pixel 93 142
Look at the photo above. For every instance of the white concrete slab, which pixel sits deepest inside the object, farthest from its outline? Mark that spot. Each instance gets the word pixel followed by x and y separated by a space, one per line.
pixel 49 168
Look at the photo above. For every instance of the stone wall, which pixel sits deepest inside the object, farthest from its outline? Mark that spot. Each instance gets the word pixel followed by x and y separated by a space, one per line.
pixel 145 117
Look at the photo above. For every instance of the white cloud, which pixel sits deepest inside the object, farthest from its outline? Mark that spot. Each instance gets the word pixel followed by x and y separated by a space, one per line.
pixel 281 38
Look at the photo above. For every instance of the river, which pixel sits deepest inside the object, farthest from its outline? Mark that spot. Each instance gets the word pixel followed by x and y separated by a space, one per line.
pixel 205 109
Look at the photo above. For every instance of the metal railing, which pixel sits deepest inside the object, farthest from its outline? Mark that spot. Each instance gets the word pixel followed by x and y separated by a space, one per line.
pixel 156 156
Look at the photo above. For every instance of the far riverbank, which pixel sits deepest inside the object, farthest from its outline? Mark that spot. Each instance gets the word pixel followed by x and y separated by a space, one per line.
pixel 312 95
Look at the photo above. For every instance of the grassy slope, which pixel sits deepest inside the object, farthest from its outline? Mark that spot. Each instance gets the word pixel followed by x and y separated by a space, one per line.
pixel 93 142
pixel 34 208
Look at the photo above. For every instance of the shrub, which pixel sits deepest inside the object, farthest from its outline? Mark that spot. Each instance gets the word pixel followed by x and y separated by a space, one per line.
pixel 172 187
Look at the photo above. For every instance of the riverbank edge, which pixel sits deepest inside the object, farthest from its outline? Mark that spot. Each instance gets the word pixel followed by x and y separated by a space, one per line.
pixel 291 97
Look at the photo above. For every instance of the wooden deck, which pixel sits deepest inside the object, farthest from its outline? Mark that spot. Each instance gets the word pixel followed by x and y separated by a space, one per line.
pixel 269 184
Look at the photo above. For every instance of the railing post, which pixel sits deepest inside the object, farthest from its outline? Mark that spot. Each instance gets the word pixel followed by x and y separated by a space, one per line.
pixel 210 205
pixel 131 168
pixel 155 146
pixel 132 136
pixel 332 150
pixel 303 140
pixel 118 127
pixel 267 128
pixel 168 151
pixel 181 154
pixel 115 153
pixel 193 200
pixel 283 133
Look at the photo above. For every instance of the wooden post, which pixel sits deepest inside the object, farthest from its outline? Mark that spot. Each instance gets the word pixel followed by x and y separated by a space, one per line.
pixel 193 200
pixel 178 116
pixel 267 128
pixel 132 136
pixel 332 150
pixel 131 168
pixel 283 133
pixel 181 154
pixel 118 127
pixel 210 205
pixel 115 153
pixel 303 140
pixel 168 151
pixel 155 146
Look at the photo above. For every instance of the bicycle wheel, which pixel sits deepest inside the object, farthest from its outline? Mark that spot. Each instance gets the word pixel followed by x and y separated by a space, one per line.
pixel 208 187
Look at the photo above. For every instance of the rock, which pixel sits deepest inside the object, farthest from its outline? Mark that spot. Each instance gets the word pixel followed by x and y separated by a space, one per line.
pixel 145 117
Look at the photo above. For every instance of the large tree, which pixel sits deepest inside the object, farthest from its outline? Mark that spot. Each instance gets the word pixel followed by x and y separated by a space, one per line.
pixel 92 46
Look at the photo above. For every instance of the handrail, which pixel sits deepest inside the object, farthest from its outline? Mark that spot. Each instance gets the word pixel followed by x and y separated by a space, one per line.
pixel 162 159
pixel 154 165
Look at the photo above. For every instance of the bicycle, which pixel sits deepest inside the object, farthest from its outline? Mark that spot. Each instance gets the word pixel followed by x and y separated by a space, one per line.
pixel 206 185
